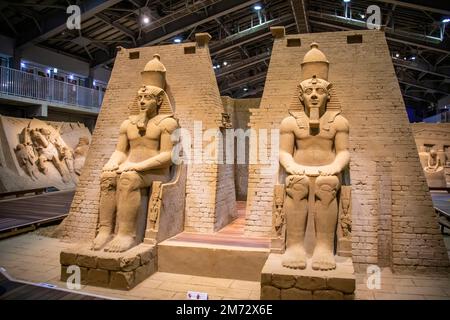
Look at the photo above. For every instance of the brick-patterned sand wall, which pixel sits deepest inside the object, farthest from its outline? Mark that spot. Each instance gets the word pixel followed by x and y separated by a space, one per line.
pixel 192 87
pixel 366 86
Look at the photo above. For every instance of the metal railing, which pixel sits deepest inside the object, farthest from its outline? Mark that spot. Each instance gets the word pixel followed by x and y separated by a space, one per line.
pixel 22 84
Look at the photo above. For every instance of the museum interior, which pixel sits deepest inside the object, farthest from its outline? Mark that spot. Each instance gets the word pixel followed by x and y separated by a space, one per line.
pixel 225 150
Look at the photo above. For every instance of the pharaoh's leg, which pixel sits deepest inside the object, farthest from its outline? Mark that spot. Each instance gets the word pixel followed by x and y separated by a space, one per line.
pixel 128 203
pixel 296 210
pixel 325 222
pixel 107 209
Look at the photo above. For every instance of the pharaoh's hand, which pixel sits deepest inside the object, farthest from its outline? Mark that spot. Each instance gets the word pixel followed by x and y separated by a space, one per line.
pixel 124 167
pixel 329 170
pixel 311 171
pixel 300 170
pixel 295 169
pixel 110 166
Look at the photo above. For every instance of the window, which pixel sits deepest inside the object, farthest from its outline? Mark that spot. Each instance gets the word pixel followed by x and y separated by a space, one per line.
pixel 189 50
pixel 134 55
pixel 293 42
pixel 357 38
pixel 428 147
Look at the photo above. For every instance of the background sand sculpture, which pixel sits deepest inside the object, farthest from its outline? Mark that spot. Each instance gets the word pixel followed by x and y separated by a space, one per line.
pixel 38 154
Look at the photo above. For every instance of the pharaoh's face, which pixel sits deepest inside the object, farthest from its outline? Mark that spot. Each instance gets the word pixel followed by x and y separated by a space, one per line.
pixel 314 95
pixel 148 102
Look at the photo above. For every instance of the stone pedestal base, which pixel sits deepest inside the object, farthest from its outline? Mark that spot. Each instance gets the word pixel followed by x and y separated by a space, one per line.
pixel 278 282
pixel 436 179
pixel 112 270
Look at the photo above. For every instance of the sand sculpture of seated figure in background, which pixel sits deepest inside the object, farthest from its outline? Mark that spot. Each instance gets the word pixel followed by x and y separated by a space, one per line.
pixel 434 163
pixel 313 143
pixel 143 155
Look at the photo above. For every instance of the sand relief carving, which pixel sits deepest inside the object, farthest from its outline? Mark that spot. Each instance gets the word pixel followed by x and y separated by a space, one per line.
pixel 41 146
pixel 79 154
pixel 67 157
pixel 49 149
pixel 143 155
pixel 155 204
pixel 40 153
pixel 345 219
pixel 314 152
pixel 27 160
pixel 279 218
pixel 26 155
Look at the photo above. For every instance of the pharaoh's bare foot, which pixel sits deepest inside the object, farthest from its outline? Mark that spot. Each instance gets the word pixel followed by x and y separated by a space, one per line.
pixel 323 259
pixel 102 238
pixel 120 243
pixel 294 258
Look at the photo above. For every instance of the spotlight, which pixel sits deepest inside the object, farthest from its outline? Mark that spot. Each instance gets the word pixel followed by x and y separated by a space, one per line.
pixel 257 7
pixel 346 1
pixel 225 63
pixel 218 66
pixel 362 15
pixel 94 82
pixel 22 65
pixel 397 55
pixel 245 89
pixel 177 40
pixel 145 20
pixel 55 70
pixel 413 58
pixel 71 77
pixel 446 20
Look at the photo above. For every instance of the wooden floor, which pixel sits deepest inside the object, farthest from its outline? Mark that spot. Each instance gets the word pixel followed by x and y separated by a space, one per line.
pixel 231 235
pixel 13 290
pixel 24 212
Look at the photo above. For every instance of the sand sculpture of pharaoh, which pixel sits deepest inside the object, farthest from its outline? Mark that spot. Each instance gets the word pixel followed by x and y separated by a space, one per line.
pixel 434 162
pixel 143 155
pixel 314 152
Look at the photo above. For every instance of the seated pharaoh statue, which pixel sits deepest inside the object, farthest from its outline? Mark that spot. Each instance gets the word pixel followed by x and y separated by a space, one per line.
pixel 434 163
pixel 143 155
pixel 314 152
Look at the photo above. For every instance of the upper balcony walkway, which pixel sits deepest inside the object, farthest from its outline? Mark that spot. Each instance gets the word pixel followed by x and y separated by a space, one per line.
pixel 22 88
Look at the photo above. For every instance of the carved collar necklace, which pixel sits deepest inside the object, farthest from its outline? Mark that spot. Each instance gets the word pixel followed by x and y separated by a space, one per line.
pixel 303 120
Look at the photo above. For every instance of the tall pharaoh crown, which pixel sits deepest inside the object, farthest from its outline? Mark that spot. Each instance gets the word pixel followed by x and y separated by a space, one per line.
pixel 154 73
pixel 315 63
